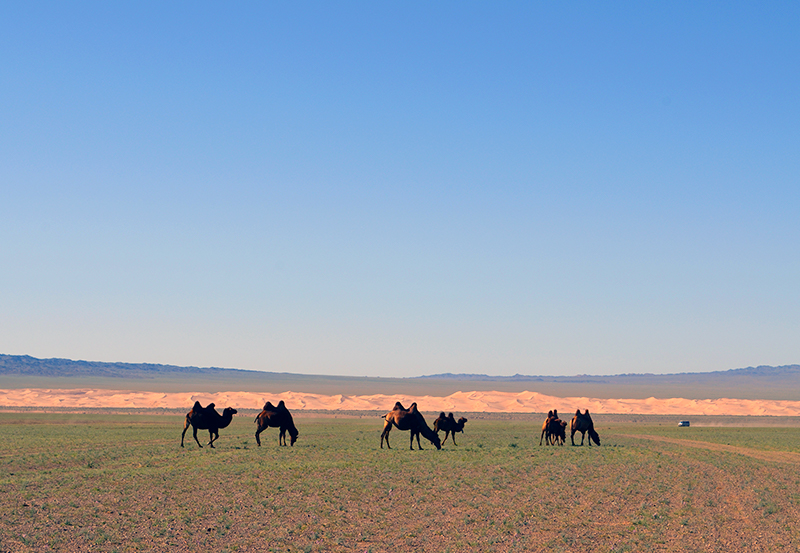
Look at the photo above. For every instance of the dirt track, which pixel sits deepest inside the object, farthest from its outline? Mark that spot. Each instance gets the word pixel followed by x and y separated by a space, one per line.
pixel 776 456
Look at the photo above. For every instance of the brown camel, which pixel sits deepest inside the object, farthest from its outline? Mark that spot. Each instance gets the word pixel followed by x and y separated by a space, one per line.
pixel 553 430
pixel 207 418
pixel 546 428
pixel 583 424
pixel 449 425
pixel 408 419
pixel 276 417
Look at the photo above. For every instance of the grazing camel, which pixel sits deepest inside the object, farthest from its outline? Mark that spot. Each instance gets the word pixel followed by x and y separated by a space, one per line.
pixel 408 419
pixel 276 417
pixel 583 424
pixel 449 425
pixel 553 430
pixel 207 418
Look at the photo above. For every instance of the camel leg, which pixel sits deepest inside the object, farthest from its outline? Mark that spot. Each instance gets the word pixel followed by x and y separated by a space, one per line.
pixel 258 439
pixel 282 437
pixel 572 435
pixel 387 427
pixel 194 433
pixel 454 438
pixel 212 435
pixel 419 445
pixel 185 428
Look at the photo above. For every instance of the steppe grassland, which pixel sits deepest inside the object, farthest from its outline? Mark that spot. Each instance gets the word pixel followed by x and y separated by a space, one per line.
pixel 122 483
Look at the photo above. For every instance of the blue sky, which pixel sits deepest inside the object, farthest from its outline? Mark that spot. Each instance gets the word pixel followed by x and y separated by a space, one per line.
pixel 402 188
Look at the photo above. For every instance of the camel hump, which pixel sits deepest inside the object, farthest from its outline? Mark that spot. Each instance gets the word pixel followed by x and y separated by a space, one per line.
pixel 550 414
pixel 441 415
pixel 399 405
pixel 197 406
pixel 281 405
pixel 578 413
pixel 586 412
pixel 555 413
pixel 268 406
pixel 413 407
pixel 450 416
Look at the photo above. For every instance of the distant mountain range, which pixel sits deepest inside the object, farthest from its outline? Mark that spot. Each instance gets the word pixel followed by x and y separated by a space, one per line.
pixel 763 382
pixel 25 365
pixel 763 373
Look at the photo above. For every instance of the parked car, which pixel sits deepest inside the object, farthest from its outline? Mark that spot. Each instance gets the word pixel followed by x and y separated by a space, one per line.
pixel 683 423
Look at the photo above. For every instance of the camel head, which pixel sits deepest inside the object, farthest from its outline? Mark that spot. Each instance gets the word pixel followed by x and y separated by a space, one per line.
pixel 230 410
pixel 461 423
pixel 293 433
pixel 435 440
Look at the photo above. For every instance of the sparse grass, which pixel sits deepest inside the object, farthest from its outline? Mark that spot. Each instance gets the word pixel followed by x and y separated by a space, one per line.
pixel 122 483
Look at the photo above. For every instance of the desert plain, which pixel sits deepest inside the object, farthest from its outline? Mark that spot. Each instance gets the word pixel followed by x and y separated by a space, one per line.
pixel 94 468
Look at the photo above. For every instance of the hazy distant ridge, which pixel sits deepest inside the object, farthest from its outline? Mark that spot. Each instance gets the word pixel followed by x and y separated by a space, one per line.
pixel 25 365
pixel 762 371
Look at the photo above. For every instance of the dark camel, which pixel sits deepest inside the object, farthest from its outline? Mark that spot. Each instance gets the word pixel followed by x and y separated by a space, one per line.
pixel 449 425
pixel 207 418
pixel 408 419
pixel 276 417
pixel 553 430
pixel 583 424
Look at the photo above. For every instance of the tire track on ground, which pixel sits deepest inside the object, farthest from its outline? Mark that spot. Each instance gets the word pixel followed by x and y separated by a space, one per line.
pixel 776 456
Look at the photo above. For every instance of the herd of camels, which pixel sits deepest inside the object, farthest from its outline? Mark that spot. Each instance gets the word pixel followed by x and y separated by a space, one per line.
pixel 411 419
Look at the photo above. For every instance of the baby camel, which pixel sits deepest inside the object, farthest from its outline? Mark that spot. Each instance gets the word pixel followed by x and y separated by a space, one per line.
pixel 449 425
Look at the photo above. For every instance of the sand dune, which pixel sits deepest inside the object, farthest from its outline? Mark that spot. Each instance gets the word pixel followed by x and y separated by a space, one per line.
pixel 522 402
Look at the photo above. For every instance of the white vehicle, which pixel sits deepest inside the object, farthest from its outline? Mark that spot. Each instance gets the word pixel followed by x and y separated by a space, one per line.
pixel 683 423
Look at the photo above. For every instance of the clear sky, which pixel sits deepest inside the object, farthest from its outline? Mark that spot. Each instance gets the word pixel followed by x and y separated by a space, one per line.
pixel 402 188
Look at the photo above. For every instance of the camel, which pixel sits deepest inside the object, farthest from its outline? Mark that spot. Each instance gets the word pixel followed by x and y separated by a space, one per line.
pixel 449 425
pixel 553 430
pixel 276 417
pixel 558 431
pixel 546 428
pixel 207 418
pixel 583 424
pixel 408 419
